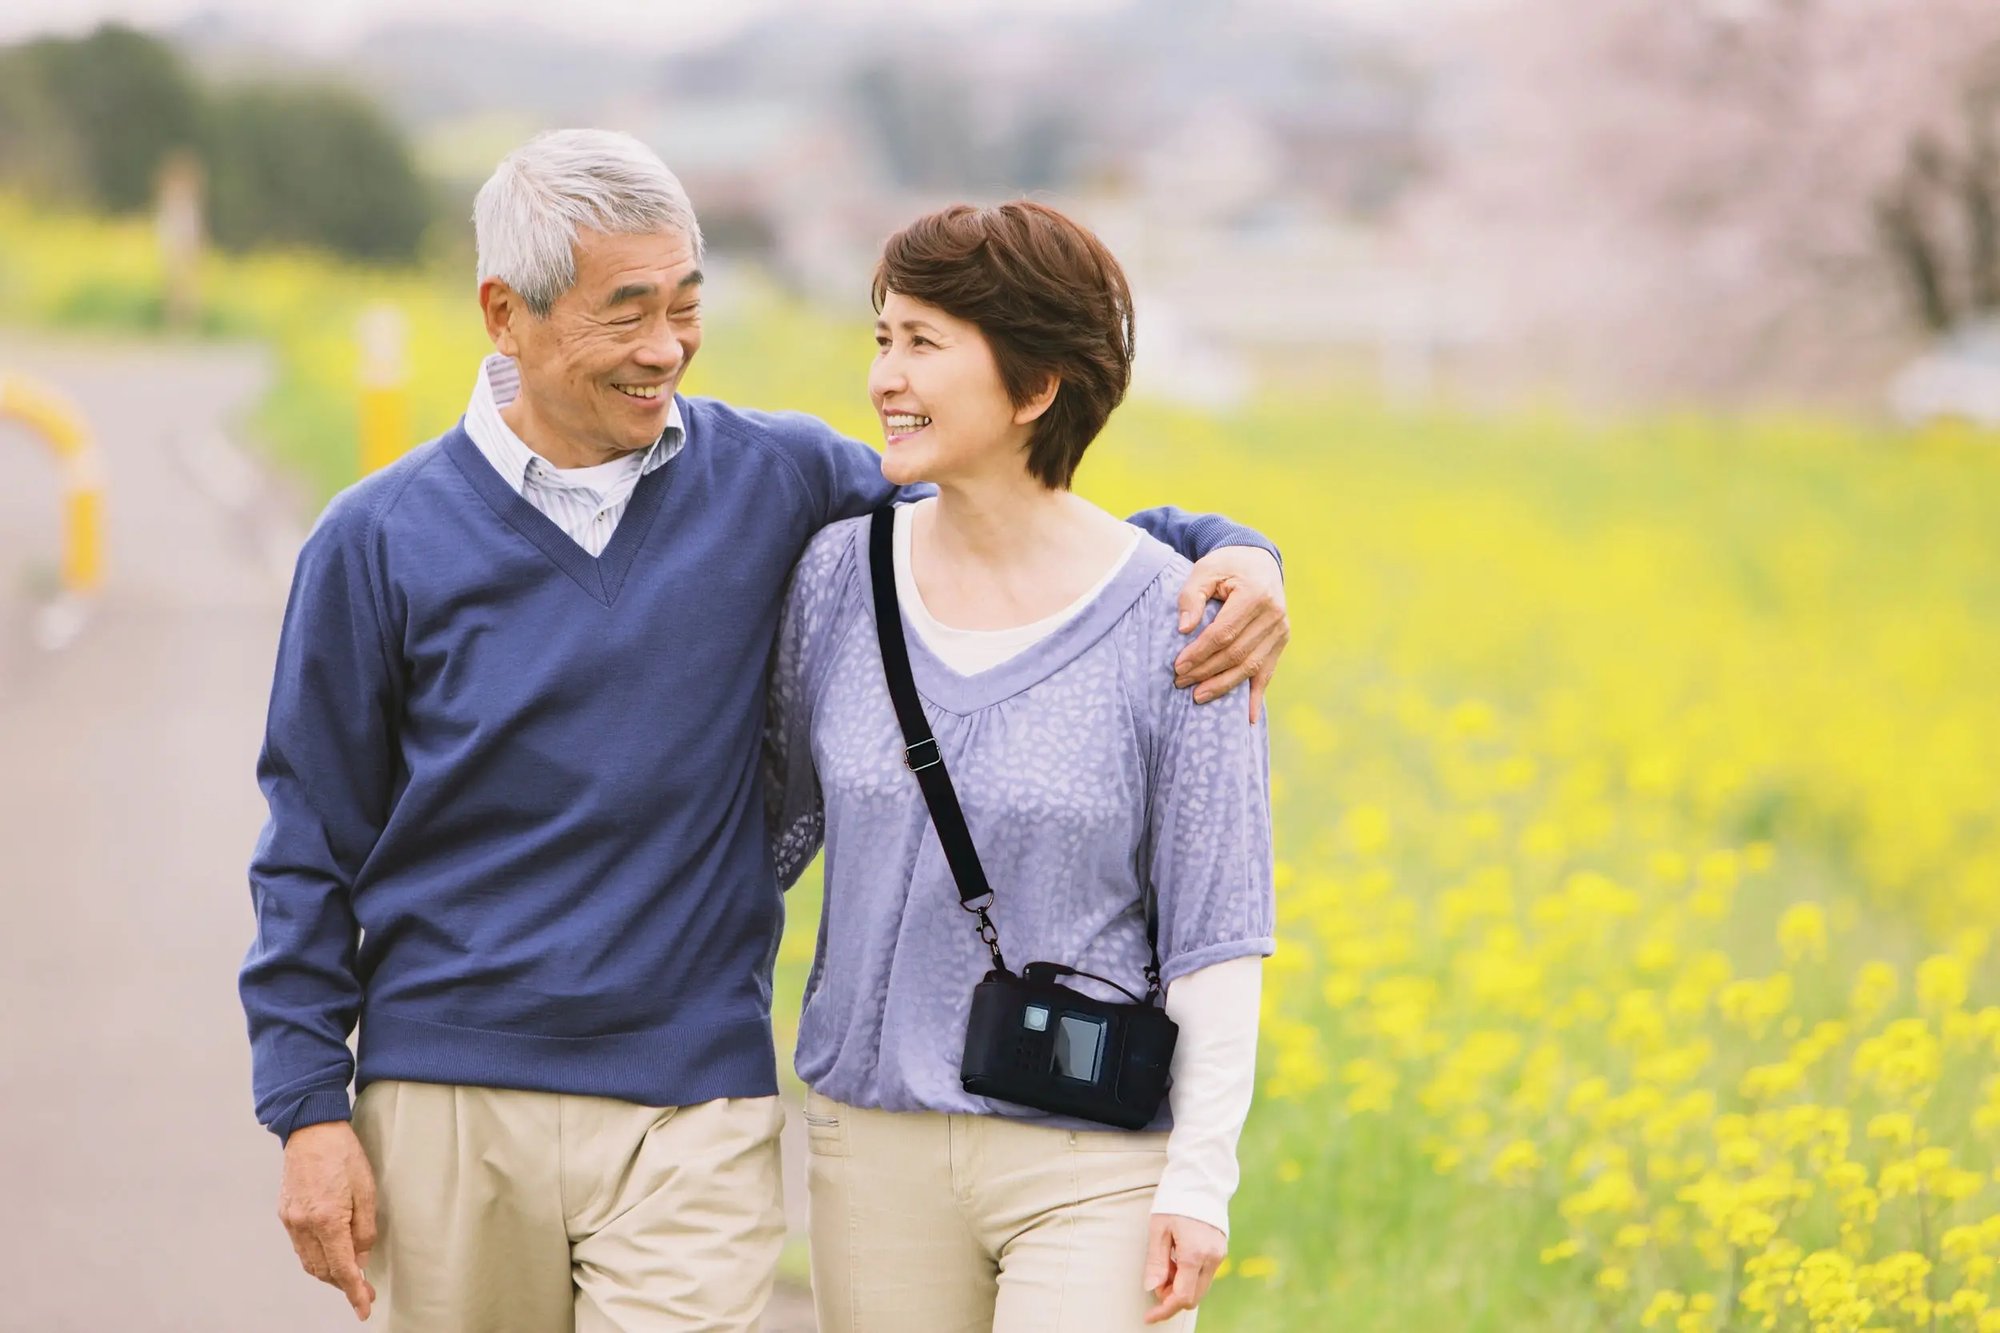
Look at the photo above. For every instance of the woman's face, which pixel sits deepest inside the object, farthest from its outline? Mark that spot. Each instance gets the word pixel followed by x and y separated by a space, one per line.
pixel 945 416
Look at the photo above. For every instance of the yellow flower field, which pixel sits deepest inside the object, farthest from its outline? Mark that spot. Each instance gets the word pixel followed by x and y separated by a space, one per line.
pixel 1640 861
pixel 1638 830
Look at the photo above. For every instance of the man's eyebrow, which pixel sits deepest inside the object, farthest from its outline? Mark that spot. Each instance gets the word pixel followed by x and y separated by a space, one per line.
pixel 632 291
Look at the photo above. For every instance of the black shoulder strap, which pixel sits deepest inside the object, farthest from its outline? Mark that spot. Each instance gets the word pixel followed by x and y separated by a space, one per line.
pixel 923 757
pixel 920 749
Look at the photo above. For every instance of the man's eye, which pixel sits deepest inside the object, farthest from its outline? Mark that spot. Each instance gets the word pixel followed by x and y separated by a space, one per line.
pixel 626 323
pixel 687 312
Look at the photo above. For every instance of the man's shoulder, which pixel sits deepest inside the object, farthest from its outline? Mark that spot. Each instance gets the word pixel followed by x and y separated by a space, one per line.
pixel 359 510
pixel 811 455
pixel 784 431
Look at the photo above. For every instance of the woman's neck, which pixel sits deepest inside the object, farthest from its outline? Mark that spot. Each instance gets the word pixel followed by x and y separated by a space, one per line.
pixel 997 524
pixel 997 553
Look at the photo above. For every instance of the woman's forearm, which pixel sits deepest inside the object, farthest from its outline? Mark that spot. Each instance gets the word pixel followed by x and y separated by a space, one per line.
pixel 1215 1075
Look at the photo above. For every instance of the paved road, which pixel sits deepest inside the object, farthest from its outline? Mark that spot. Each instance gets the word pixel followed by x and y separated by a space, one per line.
pixel 136 1193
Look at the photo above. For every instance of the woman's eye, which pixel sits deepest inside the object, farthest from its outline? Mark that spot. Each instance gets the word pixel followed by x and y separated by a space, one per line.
pixel 881 343
pixel 919 340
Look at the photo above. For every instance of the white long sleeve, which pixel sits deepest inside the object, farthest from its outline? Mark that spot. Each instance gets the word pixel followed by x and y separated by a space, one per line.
pixel 1215 1076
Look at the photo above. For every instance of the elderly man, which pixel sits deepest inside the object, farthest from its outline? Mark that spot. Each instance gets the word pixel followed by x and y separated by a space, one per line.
pixel 515 821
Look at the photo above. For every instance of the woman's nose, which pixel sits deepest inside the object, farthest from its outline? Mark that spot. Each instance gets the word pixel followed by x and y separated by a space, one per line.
pixel 885 375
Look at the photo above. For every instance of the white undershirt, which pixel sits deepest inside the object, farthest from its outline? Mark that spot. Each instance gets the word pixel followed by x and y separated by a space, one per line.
pixel 1215 1076
pixel 1215 1060
pixel 971 651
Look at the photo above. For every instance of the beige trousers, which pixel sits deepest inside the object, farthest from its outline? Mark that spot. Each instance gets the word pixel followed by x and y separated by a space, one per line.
pixel 530 1212
pixel 925 1223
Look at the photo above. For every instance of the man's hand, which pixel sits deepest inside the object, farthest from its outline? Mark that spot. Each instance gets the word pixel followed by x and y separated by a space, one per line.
pixel 1247 636
pixel 327 1203
pixel 1181 1258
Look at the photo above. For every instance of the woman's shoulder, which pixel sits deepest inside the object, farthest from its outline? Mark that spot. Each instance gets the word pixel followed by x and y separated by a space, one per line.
pixel 827 595
pixel 835 546
pixel 1155 614
pixel 1151 628
pixel 829 576
pixel 1173 567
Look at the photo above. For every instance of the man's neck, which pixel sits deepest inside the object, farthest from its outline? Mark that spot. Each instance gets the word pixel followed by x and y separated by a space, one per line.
pixel 558 449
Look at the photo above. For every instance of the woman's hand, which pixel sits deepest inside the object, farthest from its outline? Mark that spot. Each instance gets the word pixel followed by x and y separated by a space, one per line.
pixel 1181 1259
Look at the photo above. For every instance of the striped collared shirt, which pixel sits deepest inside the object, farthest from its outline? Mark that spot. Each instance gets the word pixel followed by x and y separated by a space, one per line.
pixel 585 502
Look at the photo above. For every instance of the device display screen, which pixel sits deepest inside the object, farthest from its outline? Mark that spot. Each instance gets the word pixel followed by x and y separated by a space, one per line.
pixel 1079 1047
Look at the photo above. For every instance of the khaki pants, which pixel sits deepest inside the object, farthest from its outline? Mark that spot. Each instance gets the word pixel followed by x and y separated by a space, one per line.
pixel 529 1212
pixel 926 1223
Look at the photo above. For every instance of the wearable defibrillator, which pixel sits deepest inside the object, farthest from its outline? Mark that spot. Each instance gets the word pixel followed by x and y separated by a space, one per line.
pixel 1029 1039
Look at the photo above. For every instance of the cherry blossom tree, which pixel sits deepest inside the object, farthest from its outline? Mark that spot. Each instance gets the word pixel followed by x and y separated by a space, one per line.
pixel 1730 194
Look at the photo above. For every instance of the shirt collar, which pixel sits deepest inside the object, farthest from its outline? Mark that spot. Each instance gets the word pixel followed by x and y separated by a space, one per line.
pixel 497 384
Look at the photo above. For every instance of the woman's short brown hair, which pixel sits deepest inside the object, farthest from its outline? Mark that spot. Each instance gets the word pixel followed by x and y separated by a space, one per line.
pixel 1050 300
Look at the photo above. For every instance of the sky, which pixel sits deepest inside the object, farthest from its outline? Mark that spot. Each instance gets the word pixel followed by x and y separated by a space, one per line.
pixel 329 25
pixel 332 24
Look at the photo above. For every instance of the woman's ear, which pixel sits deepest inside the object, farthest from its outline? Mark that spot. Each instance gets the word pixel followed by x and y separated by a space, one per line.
pixel 1034 407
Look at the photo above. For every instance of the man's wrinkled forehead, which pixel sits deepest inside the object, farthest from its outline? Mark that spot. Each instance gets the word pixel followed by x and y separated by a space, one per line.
pixel 618 269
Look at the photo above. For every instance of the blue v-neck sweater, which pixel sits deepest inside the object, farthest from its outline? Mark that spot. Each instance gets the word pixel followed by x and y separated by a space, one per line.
pixel 516 831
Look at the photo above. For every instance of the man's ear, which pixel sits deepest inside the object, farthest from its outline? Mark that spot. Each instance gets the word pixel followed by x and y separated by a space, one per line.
pixel 504 309
pixel 1034 407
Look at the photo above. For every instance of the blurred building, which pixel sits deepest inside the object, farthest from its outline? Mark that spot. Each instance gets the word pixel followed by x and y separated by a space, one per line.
pixel 1245 162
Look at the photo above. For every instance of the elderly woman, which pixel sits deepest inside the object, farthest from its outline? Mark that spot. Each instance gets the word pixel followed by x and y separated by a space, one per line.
pixel 1123 829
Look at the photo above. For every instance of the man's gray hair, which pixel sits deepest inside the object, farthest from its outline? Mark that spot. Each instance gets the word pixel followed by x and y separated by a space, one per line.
pixel 525 218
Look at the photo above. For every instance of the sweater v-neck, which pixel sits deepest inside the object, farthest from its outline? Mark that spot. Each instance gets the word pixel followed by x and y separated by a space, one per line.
pixel 601 576
pixel 961 694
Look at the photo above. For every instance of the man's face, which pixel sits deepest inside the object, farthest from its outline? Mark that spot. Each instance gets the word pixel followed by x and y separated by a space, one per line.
pixel 598 374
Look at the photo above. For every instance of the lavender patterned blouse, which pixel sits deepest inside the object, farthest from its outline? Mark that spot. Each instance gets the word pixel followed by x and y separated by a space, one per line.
pixel 1085 776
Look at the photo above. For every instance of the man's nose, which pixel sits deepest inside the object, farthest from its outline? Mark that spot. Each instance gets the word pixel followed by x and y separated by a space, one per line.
pixel 664 352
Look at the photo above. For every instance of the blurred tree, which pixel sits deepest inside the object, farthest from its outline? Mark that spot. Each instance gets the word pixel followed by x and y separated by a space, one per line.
pixel 925 131
pixel 937 126
pixel 312 166
pixel 1712 187
pixel 95 119
pixel 123 100
pixel 37 149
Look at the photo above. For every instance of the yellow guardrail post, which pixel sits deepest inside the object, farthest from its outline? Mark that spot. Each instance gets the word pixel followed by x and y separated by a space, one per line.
pixel 83 479
pixel 384 417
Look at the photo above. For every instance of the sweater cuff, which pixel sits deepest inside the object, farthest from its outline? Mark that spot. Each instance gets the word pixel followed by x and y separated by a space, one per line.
pixel 1213 532
pixel 315 1108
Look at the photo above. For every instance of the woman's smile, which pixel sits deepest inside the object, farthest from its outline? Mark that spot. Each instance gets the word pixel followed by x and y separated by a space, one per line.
pixel 900 426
